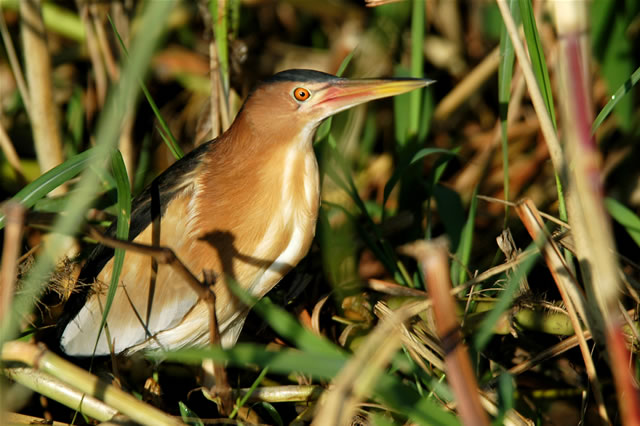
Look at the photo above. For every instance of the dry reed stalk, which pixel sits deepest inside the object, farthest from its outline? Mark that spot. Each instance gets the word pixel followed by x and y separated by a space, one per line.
pixel 14 214
pixel 61 392
pixel 15 63
pixel 44 114
pixel 468 85
pixel 433 259
pixel 591 224
pixel 42 359
pixel 99 71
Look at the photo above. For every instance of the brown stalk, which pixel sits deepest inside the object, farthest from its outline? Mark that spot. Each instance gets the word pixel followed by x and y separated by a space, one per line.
pixel 14 214
pixel 94 52
pixel 468 85
pixel 433 259
pixel 567 286
pixel 98 22
pixel 44 114
pixel 591 225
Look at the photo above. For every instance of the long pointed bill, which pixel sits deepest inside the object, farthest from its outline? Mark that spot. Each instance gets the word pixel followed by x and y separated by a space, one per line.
pixel 345 93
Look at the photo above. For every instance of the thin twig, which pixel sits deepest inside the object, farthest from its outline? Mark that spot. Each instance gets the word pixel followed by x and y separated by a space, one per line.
pixel 15 63
pixel 44 114
pixel 11 154
pixel 94 53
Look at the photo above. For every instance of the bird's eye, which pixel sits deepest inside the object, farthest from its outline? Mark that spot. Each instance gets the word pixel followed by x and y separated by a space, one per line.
pixel 301 94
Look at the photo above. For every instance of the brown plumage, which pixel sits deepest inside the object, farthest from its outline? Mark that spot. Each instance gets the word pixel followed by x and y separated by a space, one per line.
pixel 244 206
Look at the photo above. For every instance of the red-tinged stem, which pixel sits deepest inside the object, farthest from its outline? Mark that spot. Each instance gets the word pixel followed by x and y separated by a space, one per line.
pixel 628 396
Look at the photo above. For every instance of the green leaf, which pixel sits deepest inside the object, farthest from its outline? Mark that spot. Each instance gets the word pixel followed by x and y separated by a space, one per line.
pixel 506 392
pixel 616 98
pixel 122 231
pixel 246 397
pixel 625 217
pixel 273 413
pixel 188 416
pixel 505 73
pixel 417 59
pixel 451 212
pixel 536 54
pixel 52 179
pixel 405 165
pixel 463 253
pixel 614 49
pixel 401 112
pixel 325 127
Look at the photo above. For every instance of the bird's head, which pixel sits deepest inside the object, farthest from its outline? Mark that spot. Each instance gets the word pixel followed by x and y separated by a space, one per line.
pixel 295 102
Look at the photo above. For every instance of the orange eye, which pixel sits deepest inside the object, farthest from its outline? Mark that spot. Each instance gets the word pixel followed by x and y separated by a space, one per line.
pixel 301 94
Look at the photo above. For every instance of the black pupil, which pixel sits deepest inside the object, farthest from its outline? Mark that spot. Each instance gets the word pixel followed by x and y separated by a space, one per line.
pixel 302 94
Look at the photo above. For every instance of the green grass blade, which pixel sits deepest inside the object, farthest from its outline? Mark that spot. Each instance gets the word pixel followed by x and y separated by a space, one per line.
pixel 39 188
pixel 165 133
pixel 483 335
pixel 539 65
pixel 452 213
pixel 404 167
pixel 612 21
pixel 536 54
pixel 505 74
pixel 246 397
pixel 463 254
pixel 122 231
pixel 325 127
pixel 188 416
pixel 625 217
pixel 616 98
pixel 417 43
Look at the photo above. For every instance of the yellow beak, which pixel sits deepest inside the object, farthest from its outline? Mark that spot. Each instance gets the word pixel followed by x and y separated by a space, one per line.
pixel 345 93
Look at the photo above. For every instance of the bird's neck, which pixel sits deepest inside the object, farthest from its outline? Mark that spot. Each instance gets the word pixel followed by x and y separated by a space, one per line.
pixel 254 182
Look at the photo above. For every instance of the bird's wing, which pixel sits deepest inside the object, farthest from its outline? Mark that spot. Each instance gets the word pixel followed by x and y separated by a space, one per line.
pixel 167 198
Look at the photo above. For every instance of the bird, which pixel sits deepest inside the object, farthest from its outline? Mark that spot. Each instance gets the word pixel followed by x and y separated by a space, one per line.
pixel 243 205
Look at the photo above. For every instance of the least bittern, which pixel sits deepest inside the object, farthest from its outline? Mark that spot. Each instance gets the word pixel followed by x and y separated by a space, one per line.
pixel 243 205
